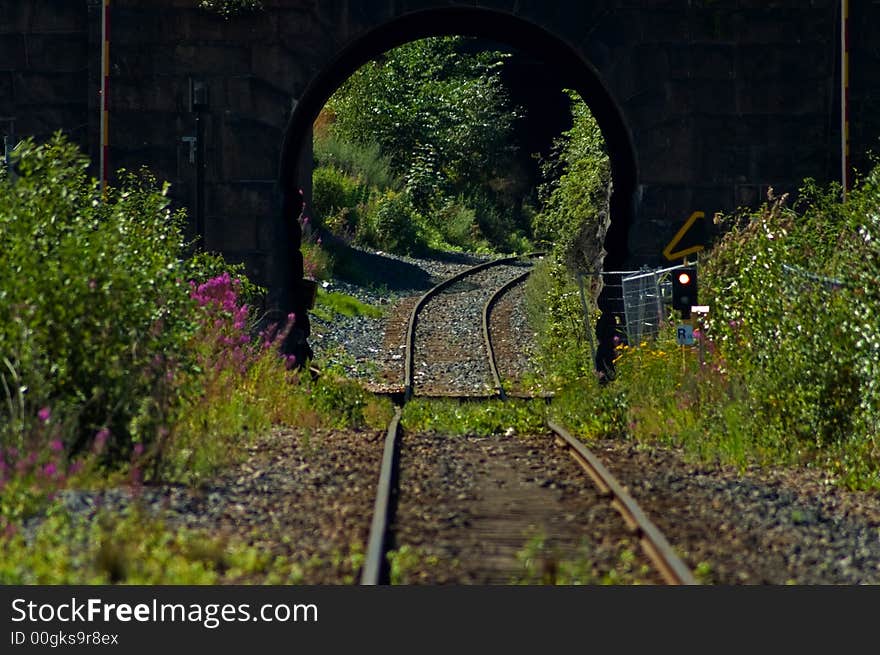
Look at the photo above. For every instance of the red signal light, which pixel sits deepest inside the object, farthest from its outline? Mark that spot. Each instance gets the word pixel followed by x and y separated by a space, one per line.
pixel 684 289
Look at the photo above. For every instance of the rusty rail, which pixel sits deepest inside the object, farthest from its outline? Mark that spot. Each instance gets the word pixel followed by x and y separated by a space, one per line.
pixel 487 308
pixel 373 571
pixel 655 545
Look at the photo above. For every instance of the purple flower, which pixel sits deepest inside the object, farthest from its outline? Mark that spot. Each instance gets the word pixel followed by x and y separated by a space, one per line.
pixel 101 439
pixel 50 469
pixel 56 446
pixel 44 414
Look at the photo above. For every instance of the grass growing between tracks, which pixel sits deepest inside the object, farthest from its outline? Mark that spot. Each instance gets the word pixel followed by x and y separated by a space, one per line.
pixel 484 418
pixel 790 368
pixel 541 564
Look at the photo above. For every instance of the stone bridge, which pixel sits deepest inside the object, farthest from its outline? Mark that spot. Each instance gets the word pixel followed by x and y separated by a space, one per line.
pixel 705 104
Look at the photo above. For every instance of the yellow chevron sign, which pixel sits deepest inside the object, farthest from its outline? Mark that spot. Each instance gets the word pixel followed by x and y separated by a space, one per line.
pixel 667 251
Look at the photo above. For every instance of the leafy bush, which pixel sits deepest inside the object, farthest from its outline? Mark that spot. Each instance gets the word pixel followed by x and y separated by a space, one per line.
pixel 228 8
pixel 794 294
pixel 786 368
pixel 363 161
pixel 574 213
pixel 556 313
pixel 393 224
pixel 93 297
pixel 335 199
pixel 434 120
pixel 429 96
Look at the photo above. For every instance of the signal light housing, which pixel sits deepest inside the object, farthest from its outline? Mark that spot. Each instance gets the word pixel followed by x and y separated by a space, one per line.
pixel 684 289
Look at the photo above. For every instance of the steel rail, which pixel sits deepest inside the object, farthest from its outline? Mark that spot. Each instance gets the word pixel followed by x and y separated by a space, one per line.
pixel 374 560
pixel 487 308
pixel 655 545
pixel 413 317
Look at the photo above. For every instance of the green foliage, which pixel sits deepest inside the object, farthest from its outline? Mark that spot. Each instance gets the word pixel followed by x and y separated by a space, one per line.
pixel 329 303
pixel 574 195
pixel 393 223
pixel 804 347
pixel 362 161
pixel 429 99
pixel 343 403
pixel 93 300
pixel 556 314
pixel 133 548
pixel 434 118
pixel 408 564
pixel 591 410
pixel 541 564
pixel 484 418
pixel 786 367
pixel 229 8
pixel 336 199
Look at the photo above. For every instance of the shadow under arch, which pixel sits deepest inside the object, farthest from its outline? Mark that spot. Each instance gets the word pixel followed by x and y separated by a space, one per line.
pixel 475 22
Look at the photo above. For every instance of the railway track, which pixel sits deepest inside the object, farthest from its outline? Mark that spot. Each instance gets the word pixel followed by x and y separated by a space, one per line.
pixel 437 365
pixel 476 501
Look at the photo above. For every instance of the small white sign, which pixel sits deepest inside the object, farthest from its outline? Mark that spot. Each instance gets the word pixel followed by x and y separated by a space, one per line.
pixel 700 309
pixel 684 334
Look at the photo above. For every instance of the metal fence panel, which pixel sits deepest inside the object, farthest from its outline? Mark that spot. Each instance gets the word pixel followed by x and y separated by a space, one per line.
pixel 644 296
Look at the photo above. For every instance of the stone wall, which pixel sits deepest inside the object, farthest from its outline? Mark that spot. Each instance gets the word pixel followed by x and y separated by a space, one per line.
pixel 44 69
pixel 864 81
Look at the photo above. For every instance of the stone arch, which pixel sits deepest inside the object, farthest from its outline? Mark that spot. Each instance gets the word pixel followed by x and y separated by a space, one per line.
pixel 465 21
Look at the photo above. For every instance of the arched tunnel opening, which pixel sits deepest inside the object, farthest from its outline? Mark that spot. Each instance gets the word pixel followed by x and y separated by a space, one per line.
pixel 538 69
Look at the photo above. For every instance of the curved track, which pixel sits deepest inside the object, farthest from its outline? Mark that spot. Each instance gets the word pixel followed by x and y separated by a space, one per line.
pixel 501 514
pixel 445 332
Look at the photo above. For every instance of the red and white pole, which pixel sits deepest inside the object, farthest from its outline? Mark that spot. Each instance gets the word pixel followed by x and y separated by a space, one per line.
pixel 105 93
pixel 845 173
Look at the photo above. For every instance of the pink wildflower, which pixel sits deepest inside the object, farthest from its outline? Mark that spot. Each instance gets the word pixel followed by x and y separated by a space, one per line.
pixel 101 439
pixel 44 414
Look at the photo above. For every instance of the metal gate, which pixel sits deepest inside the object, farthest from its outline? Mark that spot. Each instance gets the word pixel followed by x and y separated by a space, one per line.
pixel 644 297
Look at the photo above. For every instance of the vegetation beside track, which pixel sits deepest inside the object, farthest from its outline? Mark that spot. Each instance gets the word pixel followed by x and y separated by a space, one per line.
pixel 791 347
pixel 128 358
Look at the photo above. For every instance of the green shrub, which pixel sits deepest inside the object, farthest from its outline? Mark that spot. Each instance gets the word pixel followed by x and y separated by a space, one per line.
pixel 574 196
pixel 134 547
pixel 360 161
pixel 227 8
pixel 393 224
pixel 795 317
pixel 335 199
pixel 565 336
pixel 93 297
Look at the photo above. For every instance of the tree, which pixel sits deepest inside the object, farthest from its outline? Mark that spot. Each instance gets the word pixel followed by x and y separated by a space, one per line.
pixel 440 113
